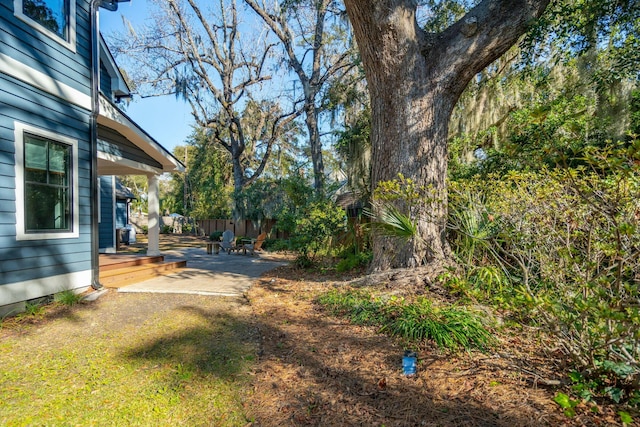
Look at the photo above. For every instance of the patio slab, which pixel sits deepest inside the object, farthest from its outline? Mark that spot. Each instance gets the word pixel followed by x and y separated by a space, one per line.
pixel 208 274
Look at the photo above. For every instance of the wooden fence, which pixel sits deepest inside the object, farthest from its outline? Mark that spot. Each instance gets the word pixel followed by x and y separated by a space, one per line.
pixel 244 228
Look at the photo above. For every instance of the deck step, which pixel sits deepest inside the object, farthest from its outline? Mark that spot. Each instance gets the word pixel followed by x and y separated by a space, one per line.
pixel 122 261
pixel 123 276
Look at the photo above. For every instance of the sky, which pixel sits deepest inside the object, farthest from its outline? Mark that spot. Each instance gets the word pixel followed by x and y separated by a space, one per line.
pixel 165 118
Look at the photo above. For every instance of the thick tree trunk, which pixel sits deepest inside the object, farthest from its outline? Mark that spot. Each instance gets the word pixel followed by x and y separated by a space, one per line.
pixel 415 79
pixel 410 120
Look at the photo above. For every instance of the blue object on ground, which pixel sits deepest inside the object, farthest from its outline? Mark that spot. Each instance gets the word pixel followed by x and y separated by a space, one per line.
pixel 409 362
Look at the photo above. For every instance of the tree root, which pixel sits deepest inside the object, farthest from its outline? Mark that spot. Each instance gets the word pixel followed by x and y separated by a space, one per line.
pixel 404 281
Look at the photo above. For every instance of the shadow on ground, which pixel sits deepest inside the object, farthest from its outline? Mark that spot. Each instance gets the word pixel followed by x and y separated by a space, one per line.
pixel 219 343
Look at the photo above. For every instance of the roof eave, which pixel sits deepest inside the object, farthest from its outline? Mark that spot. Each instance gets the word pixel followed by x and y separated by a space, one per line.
pixel 112 117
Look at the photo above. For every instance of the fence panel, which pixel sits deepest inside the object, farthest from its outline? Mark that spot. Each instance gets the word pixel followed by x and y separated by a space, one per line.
pixel 244 228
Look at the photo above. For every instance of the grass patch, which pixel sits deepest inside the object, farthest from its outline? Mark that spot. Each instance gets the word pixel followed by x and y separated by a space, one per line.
pixel 67 298
pixel 187 367
pixel 33 309
pixel 415 321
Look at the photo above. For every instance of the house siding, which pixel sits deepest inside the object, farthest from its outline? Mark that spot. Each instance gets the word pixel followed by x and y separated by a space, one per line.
pixel 121 214
pixel 106 227
pixel 22 261
pixel 34 268
pixel 105 81
pixel 29 46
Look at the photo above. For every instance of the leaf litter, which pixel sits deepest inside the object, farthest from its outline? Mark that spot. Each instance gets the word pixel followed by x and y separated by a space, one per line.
pixel 318 370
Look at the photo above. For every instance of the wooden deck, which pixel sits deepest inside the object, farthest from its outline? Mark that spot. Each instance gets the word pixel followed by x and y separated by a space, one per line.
pixel 117 270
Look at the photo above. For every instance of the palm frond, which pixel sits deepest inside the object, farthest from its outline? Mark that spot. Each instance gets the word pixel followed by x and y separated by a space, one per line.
pixel 390 222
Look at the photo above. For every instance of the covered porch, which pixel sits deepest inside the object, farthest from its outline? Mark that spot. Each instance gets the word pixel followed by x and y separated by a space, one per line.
pixel 126 149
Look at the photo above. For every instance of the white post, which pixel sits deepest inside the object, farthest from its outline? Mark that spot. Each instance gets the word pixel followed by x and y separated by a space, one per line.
pixel 153 246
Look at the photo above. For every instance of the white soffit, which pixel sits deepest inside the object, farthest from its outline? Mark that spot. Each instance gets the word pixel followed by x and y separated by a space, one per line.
pixel 113 118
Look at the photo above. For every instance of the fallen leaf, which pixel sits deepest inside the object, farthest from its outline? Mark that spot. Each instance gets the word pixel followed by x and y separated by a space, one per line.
pixel 382 383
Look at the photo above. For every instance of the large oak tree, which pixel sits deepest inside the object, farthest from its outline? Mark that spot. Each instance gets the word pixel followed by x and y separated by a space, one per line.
pixel 415 79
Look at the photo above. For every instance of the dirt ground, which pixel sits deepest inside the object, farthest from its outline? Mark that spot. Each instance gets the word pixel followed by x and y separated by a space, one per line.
pixel 316 370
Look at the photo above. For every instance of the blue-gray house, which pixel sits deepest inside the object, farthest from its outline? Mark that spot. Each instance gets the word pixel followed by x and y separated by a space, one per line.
pixel 62 140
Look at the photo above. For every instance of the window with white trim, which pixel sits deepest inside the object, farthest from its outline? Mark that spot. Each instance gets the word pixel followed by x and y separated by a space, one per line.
pixel 46 184
pixel 55 18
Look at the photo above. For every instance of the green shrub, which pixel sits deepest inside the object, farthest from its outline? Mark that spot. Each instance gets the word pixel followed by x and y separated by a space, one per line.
pixel 315 226
pixel 413 321
pixel 303 261
pixel 276 245
pixel 354 260
pixel 215 236
pixel 355 238
pixel 166 229
pixel 562 247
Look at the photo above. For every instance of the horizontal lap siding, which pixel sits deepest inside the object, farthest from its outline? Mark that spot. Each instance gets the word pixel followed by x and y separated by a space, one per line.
pixel 106 227
pixel 24 43
pixel 105 82
pixel 43 110
pixel 7 172
pixel 30 260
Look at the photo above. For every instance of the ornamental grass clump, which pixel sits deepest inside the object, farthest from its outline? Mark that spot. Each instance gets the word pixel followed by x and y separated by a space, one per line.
pixel 449 327
pixel 415 321
pixel 67 298
pixel 357 306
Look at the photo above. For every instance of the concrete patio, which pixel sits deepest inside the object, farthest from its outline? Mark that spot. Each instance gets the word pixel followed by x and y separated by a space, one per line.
pixel 209 274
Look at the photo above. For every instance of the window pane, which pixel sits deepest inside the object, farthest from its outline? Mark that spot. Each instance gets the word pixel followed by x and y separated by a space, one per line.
pixel 47 184
pixel 35 159
pixel 51 14
pixel 58 164
pixel 47 208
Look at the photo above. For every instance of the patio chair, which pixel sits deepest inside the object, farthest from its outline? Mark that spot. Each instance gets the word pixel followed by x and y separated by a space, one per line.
pixel 256 244
pixel 228 241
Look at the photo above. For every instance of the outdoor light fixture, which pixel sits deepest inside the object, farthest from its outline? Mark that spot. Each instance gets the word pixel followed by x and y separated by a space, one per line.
pixel 111 5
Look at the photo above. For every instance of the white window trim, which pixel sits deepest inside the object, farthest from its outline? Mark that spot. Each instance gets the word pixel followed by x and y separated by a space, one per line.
pixel 21 234
pixel 69 44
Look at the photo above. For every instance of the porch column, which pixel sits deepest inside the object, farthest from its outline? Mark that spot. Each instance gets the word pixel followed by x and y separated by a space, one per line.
pixel 153 246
